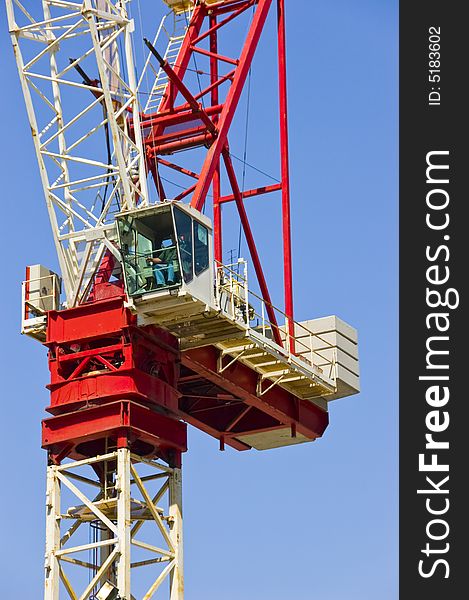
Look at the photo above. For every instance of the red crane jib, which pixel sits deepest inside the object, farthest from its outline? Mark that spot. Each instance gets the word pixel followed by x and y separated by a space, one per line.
pixel 114 383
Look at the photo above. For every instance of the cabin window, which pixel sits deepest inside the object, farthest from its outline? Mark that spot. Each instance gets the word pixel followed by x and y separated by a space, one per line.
pixel 184 240
pixel 162 249
pixel 149 251
pixel 200 248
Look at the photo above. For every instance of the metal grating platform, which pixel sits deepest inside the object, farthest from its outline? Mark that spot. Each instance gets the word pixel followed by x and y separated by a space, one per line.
pixel 196 324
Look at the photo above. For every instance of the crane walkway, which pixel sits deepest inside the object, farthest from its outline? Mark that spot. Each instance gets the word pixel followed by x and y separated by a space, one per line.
pixel 237 325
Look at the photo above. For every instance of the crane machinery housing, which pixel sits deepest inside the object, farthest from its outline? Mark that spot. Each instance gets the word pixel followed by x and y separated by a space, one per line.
pixel 147 328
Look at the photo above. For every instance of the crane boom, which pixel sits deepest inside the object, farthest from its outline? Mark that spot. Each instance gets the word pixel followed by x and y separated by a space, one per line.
pixel 84 181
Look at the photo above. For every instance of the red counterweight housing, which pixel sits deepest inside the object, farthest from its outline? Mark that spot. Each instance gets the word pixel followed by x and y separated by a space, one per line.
pixel 111 383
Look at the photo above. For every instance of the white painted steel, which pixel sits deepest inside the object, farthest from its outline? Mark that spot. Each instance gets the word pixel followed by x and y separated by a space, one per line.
pixel 173 28
pixel 123 522
pixel 69 120
pixel 120 516
pixel 39 294
pixel 52 567
pixel 175 513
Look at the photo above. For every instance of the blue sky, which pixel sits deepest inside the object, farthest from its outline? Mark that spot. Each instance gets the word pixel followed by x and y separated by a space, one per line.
pixel 317 521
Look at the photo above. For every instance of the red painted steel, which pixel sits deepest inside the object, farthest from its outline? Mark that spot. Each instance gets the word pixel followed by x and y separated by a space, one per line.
pixel 113 381
pixel 252 246
pixel 103 365
pixel 180 114
pixel 231 103
pixel 215 99
pixel 185 193
pixel 215 26
pixel 286 222
pixel 83 433
pixel 227 59
pixel 176 81
pixel 204 139
pixel 267 189
pixel 278 404
pixel 177 168
pixel 215 84
pixel 208 124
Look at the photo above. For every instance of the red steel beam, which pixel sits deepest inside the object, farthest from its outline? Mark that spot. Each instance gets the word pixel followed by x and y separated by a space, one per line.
pixel 268 189
pixel 178 168
pixel 176 80
pixel 215 84
pixel 181 114
pixel 216 26
pixel 203 139
pixel 231 102
pixel 236 444
pixel 216 184
pixel 252 246
pixel 185 54
pixel 180 68
pixel 237 419
pixel 239 380
pixel 157 179
pixel 185 193
pixel 222 8
pixel 285 169
pixel 178 135
pixel 221 57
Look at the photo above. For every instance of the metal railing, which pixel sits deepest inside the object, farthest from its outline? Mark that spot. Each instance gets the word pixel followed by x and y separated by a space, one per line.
pixel 38 296
pixel 299 344
pixel 41 294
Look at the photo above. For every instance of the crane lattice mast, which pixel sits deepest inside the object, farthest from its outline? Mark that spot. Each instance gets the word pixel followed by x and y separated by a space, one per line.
pixel 147 329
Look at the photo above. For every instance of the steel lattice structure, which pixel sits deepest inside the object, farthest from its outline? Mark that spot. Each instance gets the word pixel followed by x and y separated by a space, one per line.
pixel 121 517
pixel 153 331
pixel 68 116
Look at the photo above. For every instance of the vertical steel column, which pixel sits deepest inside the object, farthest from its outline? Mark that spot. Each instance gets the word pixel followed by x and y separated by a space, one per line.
pixel 52 568
pixel 123 522
pixel 217 221
pixel 285 169
pixel 215 96
pixel 120 530
pixel 175 512
pixel 252 245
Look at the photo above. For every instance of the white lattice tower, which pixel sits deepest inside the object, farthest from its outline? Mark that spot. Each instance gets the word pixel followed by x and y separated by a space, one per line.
pixel 124 509
pixel 77 74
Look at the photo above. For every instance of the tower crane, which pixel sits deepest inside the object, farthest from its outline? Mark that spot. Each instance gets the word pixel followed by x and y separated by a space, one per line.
pixel 147 329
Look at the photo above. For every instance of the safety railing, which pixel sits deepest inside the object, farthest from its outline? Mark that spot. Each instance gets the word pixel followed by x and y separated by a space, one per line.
pixel 38 296
pixel 238 302
pixel 145 275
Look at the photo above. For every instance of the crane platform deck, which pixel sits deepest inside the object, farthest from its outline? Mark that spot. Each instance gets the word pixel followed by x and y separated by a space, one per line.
pixel 234 327
pixel 108 507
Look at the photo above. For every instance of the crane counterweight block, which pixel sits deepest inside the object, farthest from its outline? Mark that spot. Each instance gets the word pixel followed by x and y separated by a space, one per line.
pixel 111 378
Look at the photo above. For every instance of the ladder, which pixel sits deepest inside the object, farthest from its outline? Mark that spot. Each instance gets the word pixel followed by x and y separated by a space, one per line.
pixel 181 20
